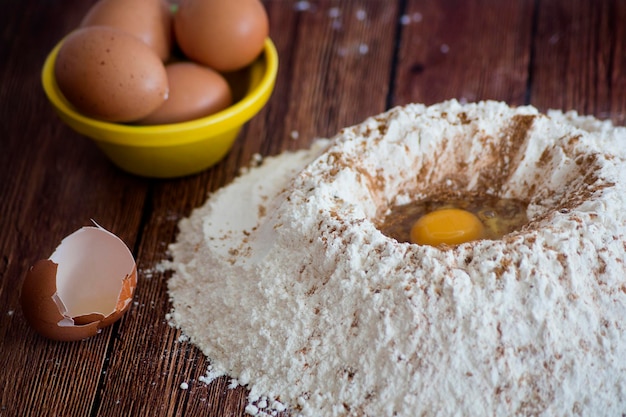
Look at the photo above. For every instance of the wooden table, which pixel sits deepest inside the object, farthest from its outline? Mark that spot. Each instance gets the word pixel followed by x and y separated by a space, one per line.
pixel 340 61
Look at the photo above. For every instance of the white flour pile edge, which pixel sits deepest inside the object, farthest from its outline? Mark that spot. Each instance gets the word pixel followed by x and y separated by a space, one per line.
pixel 284 282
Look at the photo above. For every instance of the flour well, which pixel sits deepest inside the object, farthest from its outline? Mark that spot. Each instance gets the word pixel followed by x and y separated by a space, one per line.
pixel 284 282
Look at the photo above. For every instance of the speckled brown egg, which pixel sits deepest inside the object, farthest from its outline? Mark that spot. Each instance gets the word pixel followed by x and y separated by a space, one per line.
pixel 149 20
pixel 225 35
pixel 195 91
pixel 110 75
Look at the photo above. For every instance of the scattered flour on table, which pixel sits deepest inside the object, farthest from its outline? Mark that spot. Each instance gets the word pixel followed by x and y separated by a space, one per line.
pixel 284 282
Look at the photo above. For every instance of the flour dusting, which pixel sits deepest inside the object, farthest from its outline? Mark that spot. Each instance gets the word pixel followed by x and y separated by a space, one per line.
pixel 285 283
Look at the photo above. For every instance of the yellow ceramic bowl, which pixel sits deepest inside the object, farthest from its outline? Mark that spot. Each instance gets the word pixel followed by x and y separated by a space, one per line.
pixel 177 149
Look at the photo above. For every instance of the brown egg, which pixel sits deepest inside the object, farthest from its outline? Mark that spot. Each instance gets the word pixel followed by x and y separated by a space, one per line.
pixel 86 285
pixel 149 20
pixel 195 91
pixel 225 35
pixel 109 74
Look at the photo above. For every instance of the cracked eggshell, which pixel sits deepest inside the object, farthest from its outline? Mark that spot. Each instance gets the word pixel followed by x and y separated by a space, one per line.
pixel 85 285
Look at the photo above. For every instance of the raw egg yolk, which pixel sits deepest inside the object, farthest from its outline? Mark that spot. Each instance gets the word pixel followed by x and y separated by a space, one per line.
pixel 450 226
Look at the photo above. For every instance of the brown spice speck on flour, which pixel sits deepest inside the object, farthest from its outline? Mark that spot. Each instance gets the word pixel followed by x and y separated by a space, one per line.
pixel 381 327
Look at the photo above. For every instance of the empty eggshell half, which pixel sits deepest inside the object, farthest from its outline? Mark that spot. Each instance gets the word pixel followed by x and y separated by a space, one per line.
pixel 87 284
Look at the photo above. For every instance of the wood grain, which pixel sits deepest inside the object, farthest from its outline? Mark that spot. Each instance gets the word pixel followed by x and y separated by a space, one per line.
pixel 340 62
pixel 580 58
pixel 469 51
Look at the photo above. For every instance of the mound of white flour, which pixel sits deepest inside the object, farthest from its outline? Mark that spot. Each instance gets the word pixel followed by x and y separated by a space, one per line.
pixel 285 283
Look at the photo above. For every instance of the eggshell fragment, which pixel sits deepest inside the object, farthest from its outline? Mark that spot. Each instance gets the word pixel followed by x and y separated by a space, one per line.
pixel 85 285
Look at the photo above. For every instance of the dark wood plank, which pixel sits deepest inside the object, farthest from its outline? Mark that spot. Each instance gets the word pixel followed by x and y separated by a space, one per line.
pixel 468 50
pixel 580 58
pixel 334 72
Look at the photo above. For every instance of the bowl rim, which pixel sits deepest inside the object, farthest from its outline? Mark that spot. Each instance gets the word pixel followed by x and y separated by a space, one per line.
pixel 231 117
